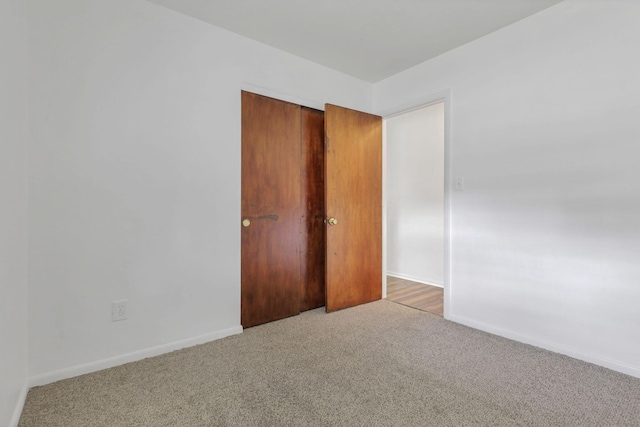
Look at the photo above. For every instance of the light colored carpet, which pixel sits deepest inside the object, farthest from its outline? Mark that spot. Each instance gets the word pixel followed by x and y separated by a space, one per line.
pixel 380 364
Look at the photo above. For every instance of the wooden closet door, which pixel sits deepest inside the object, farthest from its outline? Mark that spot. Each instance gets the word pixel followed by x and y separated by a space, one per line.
pixel 353 198
pixel 312 242
pixel 270 208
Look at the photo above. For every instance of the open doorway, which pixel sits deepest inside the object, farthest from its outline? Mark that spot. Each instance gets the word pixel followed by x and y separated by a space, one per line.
pixel 415 208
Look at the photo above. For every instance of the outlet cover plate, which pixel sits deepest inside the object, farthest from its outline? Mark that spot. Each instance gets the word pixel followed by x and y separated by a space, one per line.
pixel 118 310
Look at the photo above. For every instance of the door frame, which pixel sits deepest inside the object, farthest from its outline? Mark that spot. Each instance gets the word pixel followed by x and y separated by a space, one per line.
pixel 415 104
pixel 282 96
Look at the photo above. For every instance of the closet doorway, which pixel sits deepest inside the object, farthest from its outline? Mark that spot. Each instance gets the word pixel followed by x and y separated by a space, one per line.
pixel 311 225
pixel 415 223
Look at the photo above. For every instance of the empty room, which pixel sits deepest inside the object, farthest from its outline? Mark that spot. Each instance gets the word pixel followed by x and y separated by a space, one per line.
pixel 196 196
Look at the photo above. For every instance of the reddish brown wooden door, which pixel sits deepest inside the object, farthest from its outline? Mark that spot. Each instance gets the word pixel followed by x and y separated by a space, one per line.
pixel 353 196
pixel 290 260
pixel 271 211
pixel 312 240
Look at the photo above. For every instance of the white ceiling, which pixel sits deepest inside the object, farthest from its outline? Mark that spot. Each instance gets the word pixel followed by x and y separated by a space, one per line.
pixel 368 39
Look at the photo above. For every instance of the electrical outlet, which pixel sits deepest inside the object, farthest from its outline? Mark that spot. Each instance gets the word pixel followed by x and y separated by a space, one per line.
pixel 118 310
pixel 459 183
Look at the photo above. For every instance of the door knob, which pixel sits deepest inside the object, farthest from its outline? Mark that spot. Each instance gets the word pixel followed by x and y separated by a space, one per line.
pixel 246 222
pixel 332 221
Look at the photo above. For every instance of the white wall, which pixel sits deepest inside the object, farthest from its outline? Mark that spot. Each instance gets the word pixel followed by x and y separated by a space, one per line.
pixel 545 238
pixel 135 178
pixel 415 195
pixel 13 209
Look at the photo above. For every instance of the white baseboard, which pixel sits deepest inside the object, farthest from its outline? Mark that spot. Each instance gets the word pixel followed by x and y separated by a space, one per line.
pixel 19 405
pixel 437 283
pixel 99 365
pixel 615 365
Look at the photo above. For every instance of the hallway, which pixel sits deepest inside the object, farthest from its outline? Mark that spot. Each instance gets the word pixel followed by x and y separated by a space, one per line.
pixel 416 295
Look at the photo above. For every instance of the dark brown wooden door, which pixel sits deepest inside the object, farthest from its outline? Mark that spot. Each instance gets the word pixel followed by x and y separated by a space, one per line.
pixel 271 210
pixel 312 240
pixel 353 196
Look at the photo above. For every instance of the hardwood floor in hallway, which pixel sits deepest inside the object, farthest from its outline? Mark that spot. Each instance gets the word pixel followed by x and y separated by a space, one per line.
pixel 416 295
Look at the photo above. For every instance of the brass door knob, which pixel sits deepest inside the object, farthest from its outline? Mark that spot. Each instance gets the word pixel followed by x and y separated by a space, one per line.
pixel 246 222
pixel 332 221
